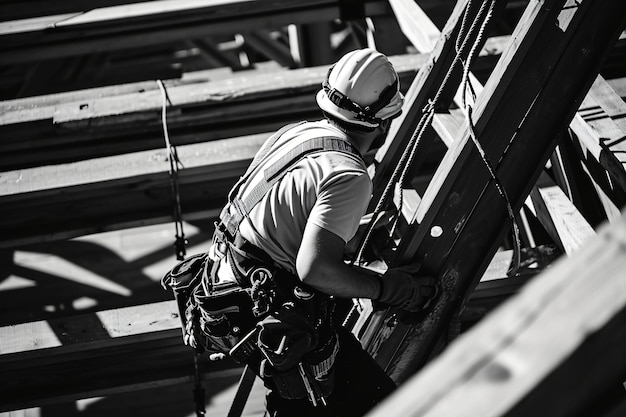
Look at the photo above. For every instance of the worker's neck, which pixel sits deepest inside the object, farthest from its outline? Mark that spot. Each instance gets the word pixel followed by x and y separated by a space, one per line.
pixel 362 140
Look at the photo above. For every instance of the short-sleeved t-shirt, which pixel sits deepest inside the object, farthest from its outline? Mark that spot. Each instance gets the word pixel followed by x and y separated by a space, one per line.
pixel 329 189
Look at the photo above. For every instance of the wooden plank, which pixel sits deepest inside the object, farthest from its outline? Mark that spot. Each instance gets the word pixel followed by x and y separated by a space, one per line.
pixel 66 127
pixel 568 172
pixel 619 86
pixel 448 124
pixel 527 357
pixel 415 24
pixel 29 25
pixel 597 175
pixel 561 219
pixel 92 273
pixel 157 22
pixel 599 132
pixel 529 100
pixel 498 282
pixel 608 99
pixel 61 379
pixel 49 361
pixel 23 9
pixel 423 89
pixel 144 96
pixel 18 342
pixel 64 201
pixel 261 41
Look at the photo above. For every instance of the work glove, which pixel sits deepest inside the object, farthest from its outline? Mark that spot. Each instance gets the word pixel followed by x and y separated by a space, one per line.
pixel 405 288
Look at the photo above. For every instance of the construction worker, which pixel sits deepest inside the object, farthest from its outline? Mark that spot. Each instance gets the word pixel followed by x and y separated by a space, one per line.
pixel 276 267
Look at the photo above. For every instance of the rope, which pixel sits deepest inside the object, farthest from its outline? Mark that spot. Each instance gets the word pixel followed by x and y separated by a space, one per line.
pixel 180 242
pixel 428 112
pixel 408 154
pixel 198 390
pixel 468 112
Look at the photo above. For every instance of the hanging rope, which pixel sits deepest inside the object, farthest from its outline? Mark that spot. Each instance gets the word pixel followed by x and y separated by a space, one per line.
pixel 400 172
pixel 408 154
pixel 468 112
pixel 198 390
pixel 172 156
pixel 180 241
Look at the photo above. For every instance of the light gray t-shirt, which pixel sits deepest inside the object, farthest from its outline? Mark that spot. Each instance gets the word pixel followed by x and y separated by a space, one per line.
pixel 329 189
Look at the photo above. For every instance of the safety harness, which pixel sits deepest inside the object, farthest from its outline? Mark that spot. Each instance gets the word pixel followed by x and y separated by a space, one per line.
pixel 268 319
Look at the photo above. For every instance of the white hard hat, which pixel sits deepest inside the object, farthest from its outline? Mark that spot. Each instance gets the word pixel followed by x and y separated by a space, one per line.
pixel 361 88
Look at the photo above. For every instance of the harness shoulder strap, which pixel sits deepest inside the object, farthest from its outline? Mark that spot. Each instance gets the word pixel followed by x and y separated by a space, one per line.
pixel 260 157
pixel 276 171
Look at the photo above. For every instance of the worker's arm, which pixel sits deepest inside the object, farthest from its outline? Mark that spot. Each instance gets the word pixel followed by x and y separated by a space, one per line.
pixel 320 264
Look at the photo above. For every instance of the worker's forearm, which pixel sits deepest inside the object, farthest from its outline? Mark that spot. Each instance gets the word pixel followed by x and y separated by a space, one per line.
pixel 344 281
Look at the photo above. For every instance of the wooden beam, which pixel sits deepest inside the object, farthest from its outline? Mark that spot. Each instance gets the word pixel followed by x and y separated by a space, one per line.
pixel 569 174
pixel 115 327
pixel 22 9
pixel 528 357
pixel 63 201
pixel 415 24
pixel 107 121
pixel 529 99
pixel 310 44
pixel 498 282
pixel 602 134
pixel 611 102
pixel 154 22
pixel 558 215
pixel 424 87
pixel 87 355
pixel 262 42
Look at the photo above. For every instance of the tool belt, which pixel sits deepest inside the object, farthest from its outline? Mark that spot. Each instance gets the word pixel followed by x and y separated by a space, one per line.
pixel 268 319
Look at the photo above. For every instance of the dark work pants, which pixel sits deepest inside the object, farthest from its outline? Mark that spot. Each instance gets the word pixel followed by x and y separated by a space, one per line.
pixel 360 384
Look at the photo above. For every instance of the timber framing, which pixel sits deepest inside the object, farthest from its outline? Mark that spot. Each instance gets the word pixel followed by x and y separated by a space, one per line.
pixel 150 333
pixel 508 365
pixel 119 192
pixel 109 121
pixel 154 22
pixel 466 207
pixel 549 115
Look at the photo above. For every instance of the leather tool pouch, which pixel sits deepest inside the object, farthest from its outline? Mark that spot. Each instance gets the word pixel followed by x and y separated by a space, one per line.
pixel 293 358
pixel 214 316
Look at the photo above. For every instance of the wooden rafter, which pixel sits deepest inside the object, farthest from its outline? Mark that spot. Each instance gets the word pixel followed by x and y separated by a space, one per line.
pixel 113 120
pixel 423 88
pixel 601 130
pixel 86 355
pixel 510 364
pixel 558 215
pixel 154 22
pixel 118 192
pixel 468 210
pixel 142 334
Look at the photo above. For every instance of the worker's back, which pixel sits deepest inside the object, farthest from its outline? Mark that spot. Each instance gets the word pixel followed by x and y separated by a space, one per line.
pixel 329 188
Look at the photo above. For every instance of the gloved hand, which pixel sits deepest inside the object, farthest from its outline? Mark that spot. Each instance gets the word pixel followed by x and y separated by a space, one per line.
pixel 404 287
